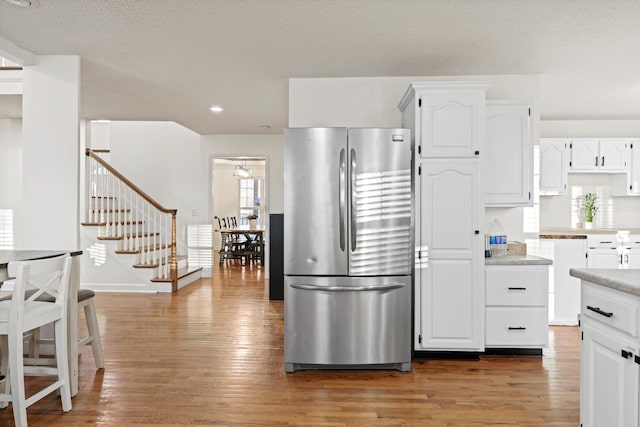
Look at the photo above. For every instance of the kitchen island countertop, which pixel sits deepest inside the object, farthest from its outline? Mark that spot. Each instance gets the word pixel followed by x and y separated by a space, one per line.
pixel 625 280
pixel 517 260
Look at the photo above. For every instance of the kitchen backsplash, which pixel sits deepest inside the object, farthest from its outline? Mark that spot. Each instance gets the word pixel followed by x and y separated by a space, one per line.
pixel 614 212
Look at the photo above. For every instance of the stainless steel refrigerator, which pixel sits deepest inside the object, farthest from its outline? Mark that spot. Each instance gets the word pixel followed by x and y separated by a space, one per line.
pixel 347 248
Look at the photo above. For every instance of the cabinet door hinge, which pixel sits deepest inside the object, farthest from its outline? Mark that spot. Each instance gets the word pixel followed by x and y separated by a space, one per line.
pixel 632 145
pixel 419 102
pixel 419 254
pixel 529 112
pixel 581 336
pixel 419 149
pixel 419 170
pixel 529 195
pixel 419 339
pixel 586 255
pixel 571 145
pixel 626 354
pixel 569 164
pixel 631 187
pixel 636 359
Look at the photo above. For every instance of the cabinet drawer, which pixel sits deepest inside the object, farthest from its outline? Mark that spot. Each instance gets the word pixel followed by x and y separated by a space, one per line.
pixel 608 308
pixel 516 327
pixel 519 287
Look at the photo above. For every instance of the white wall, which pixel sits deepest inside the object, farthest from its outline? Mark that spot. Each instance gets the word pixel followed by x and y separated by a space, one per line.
pixel 615 212
pixel 373 102
pixel 49 217
pixel 10 168
pixel 162 159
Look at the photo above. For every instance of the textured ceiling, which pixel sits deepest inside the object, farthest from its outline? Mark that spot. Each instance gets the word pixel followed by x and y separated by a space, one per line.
pixel 171 59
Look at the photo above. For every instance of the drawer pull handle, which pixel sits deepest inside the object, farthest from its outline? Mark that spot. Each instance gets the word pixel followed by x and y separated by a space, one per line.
pixel 514 288
pixel 597 310
pixel 626 354
pixel 517 328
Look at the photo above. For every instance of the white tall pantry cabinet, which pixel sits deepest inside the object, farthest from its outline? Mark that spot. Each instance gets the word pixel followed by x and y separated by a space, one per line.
pixel 447 120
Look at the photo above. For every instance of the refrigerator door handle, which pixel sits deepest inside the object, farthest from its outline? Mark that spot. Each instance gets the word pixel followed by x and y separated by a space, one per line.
pixel 386 287
pixel 354 201
pixel 343 198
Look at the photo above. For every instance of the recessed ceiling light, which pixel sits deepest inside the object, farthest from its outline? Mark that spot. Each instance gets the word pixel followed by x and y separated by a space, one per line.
pixel 265 126
pixel 216 109
pixel 21 3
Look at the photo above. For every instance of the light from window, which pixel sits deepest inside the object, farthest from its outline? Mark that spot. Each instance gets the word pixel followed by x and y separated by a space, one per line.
pixel 531 215
pixel 6 228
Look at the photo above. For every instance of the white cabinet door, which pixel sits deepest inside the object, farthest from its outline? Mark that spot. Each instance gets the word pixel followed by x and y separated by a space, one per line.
pixel 628 184
pixel 633 258
pixel 449 118
pixel 554 165
pixel 507 161
pixel 613 154
pixel 585 154
pixel 449 285
pixel 634 168
pixel 567 254
pixel 603 258
pixel 609 379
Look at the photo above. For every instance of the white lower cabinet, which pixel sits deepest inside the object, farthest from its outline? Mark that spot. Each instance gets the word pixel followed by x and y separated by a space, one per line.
pixel 609 358
pixel 516 306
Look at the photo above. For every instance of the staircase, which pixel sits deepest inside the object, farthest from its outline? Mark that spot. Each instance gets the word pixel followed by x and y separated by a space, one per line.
pixel 132 224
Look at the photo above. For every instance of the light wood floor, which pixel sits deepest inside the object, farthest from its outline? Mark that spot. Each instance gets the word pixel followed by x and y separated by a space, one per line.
pixel 213 355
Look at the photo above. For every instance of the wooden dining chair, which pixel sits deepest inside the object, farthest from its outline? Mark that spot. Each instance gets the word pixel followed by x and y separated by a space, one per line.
pixel 19 315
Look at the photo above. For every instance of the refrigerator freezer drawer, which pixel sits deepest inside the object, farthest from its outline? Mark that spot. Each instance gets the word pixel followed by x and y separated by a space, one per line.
pixel 347 322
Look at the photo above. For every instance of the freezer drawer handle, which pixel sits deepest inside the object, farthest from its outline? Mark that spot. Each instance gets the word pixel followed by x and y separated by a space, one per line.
pixel 597 310
pixel 388 287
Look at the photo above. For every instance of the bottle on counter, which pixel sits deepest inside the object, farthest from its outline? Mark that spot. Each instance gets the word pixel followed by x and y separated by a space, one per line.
pixel 487 247
pixel 497 239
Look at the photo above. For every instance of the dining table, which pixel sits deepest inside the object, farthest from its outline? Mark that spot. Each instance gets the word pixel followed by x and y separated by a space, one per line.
pixel 7 256
pixel 231 237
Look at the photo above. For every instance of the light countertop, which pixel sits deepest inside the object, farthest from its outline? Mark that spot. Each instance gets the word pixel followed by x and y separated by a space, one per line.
pixel 625 280
pixel 517 260
pixel 581 233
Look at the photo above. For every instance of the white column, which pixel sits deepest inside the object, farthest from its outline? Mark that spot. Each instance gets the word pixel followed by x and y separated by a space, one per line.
pixel 49 218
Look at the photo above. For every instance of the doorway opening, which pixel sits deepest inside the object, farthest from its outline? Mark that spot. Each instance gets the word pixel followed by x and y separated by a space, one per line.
pixel 238 192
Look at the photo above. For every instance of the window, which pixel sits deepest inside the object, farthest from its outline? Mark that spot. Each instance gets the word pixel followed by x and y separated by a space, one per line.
pixel 6 228
pixel 250 190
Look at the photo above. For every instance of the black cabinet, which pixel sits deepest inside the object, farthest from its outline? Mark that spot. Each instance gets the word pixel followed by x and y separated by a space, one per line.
pixel 276 257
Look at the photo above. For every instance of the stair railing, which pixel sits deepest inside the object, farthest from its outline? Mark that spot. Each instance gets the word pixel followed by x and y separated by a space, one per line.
pixel 126 213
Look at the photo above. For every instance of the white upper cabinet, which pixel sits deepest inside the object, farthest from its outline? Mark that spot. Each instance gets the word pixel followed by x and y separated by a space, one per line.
pixel 449 118
pixel 554 165
pixel 507 161
pixel 599 155
pixel 628 184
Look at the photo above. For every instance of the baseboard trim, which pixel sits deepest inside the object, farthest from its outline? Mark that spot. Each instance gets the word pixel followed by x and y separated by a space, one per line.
pixel 119 287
